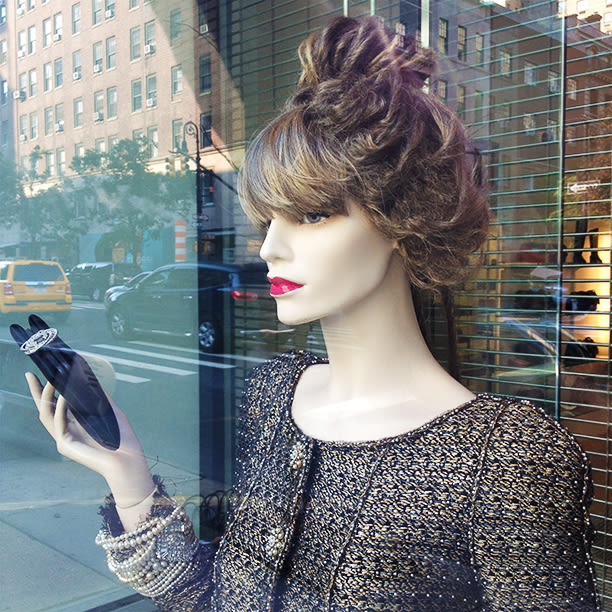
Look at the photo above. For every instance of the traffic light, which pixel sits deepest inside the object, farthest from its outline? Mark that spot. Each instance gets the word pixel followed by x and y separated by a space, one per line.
pixel 207 189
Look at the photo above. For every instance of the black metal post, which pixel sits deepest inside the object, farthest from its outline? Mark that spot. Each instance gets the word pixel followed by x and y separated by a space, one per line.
pixel 191 129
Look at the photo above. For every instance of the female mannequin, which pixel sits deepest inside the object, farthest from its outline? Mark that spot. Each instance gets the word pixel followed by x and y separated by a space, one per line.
pixel 371 480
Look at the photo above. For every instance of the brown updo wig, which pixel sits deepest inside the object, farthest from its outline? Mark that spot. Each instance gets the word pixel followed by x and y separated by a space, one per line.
pixel 360 127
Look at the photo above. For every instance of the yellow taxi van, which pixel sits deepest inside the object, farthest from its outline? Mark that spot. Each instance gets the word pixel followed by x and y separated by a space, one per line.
pixel 34 286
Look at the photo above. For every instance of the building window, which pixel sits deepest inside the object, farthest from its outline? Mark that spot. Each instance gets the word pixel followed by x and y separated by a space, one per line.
pixel 77 106
pixel 151 90
pixel 177 133
pixel 109 9
pixel 50 162
pixel 112 142
pixel 572 89
pixel 31 5
pixel 98 106
pixel 58 71
pixel 478 106
pixel 202 18
pixel 61 161
pixel 59 117
pixel 100 145
pixel 175 26
pixel 32 40
pixel 529 74
pixel 205 74
pixel 46 32
pixel 479 48
pixel 205 129
pixel 134 4
pixel 32 82
pixel 553 81
pixel 443 36
pixel 505 63
pixel 79 150
pixel 149 37
pixel 3 51
pixel 22 85
pixel 460 99
pixel 461 43
pixel 23 127
pixel 3 92
pixel 48 118
pixel 4 133
pixel 529 123
pixel 58 27
pixel 443 90
pixel 152 142
pixel 96 12
pixel 47 76
pixel 607 18
pixel 97 57
pixel 77 65
pixel 570 135
pixel 76 18
pixel 136 95
pixel 581 6
pixel 22 45
pixel 33 125
pixel 135 43
pixel 111 52
pixel 111 102
pixel 177 79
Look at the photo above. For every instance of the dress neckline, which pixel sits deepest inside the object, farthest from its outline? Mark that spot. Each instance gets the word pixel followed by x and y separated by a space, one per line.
pixel 308 359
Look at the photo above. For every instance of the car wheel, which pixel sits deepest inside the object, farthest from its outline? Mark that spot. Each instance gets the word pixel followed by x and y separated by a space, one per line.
pixel 96 294
pixel 208 336
pixel 119 324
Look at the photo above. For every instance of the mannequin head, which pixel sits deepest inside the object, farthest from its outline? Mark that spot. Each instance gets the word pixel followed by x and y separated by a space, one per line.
pixel 360 128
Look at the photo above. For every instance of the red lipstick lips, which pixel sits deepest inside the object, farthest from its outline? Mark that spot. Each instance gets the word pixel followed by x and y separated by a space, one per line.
pixel 281 286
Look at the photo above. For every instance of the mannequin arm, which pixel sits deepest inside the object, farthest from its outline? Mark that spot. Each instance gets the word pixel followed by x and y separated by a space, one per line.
pixel 125 469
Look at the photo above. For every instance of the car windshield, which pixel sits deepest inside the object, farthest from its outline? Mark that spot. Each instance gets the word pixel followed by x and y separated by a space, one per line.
pixel 37 272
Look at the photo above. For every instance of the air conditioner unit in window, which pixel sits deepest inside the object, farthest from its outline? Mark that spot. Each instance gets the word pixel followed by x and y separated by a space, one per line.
pixel 76 75
pixel 98 116
pixel 109 13
pixel 150 102
pixel 20 11
pixel 21 52
pixel 97 67
pixel 57 37
pixel 16 95
pixel 149 49
pixel 22 138
pixel 204 28
pixel 59 126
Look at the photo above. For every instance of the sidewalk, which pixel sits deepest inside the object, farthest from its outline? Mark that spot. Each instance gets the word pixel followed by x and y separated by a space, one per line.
pixel 48 522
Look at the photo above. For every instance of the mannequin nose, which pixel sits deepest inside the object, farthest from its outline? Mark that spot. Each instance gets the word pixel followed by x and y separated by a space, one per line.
pixel 275 245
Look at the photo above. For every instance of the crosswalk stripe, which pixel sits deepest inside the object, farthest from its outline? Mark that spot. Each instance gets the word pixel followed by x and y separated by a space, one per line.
pixel 146 366
pixel 125 349
pixel 131 379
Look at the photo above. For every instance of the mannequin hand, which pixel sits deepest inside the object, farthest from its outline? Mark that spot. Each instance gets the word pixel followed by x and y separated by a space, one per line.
pixel 126 470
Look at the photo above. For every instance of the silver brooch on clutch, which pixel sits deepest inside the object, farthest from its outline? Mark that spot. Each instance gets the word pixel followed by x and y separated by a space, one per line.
pixel 38 340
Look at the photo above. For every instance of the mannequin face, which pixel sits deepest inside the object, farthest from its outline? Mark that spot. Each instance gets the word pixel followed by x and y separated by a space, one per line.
pixel 324 266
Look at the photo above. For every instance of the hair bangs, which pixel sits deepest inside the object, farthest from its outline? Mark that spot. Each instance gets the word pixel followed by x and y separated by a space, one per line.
pixel 288 171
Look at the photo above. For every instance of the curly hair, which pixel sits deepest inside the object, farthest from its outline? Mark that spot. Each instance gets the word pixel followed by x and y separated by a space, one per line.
pixel 361 127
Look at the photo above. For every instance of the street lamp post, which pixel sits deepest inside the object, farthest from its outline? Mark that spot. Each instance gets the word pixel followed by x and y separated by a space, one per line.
pixel 191 129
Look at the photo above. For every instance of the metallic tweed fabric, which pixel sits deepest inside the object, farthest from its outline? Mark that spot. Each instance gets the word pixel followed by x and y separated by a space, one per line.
pixel 483 508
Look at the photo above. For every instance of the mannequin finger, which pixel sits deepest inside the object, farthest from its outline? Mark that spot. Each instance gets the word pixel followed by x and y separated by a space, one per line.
pixel 44 398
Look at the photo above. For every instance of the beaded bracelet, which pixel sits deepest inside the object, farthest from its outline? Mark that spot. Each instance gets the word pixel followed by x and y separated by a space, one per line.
pixel 155 556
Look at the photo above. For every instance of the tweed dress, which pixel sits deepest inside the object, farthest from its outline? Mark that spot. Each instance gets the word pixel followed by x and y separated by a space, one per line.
pixel 483 508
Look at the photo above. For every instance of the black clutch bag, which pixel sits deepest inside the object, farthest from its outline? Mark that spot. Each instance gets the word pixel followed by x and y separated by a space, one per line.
pixel 71 375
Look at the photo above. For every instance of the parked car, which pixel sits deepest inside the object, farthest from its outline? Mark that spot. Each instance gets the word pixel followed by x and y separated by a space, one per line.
pixel 34 286
pixel 168 301
pixel 93 279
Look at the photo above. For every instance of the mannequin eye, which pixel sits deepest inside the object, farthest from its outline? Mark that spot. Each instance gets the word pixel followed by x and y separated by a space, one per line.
pixel 314 217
